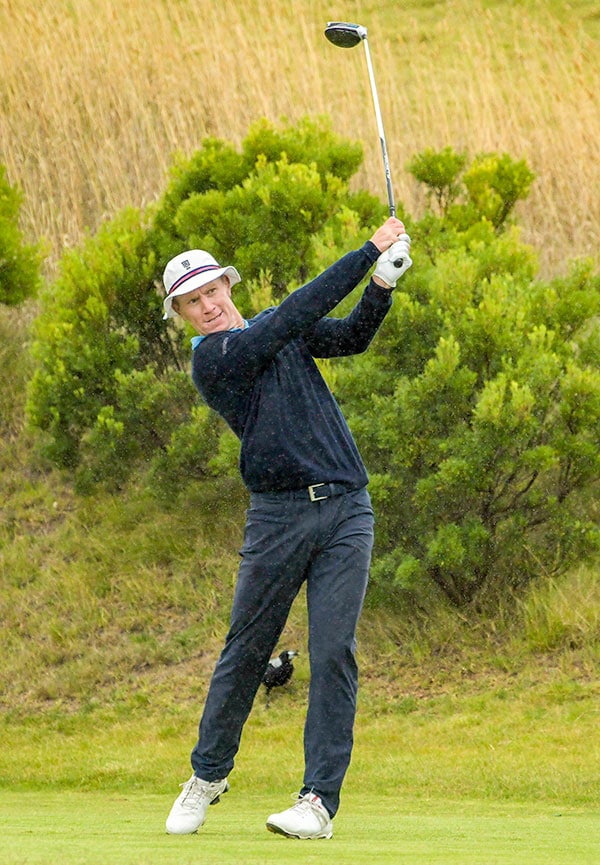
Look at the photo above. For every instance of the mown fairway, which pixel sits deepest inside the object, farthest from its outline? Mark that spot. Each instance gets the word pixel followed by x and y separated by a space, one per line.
pixel 461 779
pixel 101 828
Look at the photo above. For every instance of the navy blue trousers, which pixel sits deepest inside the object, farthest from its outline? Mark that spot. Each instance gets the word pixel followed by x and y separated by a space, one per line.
pixel 289 540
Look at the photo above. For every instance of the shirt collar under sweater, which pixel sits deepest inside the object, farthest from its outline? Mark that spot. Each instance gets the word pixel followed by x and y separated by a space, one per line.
pixel 196 340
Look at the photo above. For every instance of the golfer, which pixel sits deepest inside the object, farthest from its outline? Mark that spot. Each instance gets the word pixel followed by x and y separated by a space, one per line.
pixel 310 517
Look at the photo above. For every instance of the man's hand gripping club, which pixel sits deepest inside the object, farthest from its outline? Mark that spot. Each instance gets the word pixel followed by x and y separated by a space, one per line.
pixel 394 245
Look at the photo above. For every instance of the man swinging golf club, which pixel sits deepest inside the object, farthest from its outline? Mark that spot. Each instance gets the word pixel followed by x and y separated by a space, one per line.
pixel 310 518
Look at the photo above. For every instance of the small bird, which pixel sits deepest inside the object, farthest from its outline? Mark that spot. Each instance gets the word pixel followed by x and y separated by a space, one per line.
pixel 279 671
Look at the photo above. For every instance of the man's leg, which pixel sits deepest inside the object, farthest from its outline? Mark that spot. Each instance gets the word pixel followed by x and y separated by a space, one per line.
pixel 275 558
pixel 336 586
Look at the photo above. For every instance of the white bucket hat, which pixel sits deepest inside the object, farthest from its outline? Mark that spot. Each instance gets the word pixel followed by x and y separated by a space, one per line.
pixel 190 270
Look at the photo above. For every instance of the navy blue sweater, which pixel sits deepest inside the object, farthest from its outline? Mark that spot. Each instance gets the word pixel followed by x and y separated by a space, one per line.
pixel 264 382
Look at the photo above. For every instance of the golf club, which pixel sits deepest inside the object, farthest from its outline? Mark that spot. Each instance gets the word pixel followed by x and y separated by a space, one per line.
pixel 346 35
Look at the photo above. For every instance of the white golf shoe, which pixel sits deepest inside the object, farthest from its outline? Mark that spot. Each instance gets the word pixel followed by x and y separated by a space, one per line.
pixel 189 809
pixel 307 819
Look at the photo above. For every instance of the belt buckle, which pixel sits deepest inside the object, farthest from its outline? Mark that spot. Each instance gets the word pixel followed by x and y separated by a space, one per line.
pixel 312 495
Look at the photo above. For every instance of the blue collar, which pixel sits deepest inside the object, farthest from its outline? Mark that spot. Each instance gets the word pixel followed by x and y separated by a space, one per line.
pixel 196 340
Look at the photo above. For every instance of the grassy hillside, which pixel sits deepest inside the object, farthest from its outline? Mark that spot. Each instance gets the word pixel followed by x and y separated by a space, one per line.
pixel 121 601
pixel 97 96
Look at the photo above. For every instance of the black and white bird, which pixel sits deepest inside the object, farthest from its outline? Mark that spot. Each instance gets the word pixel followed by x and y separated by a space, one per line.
pixel 279 671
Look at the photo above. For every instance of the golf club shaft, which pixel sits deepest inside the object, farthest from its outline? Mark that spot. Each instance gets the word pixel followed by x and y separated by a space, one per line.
pixel 386 164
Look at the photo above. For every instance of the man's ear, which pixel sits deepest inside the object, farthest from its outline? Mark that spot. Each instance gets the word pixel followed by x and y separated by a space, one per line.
pixel 227 283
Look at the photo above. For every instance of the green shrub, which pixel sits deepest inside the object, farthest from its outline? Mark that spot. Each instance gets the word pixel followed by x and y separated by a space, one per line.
pixel 488 188
pixel 147 413
pixel 440 171
pixel 19 262
pixel 478 413
pixel 189 454
pixel 90 326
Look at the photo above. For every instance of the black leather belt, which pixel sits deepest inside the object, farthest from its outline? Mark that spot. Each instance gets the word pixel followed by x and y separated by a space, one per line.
pixel 318 492
pixel 314 492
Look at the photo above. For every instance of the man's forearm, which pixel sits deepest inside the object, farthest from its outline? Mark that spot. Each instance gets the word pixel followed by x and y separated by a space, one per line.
pixel 332 337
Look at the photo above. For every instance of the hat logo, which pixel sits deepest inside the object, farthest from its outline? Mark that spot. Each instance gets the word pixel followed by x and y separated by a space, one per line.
pixel 186 264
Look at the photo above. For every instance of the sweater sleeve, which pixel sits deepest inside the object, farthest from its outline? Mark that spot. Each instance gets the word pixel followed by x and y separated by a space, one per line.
pixel 336 337
pixel 248 352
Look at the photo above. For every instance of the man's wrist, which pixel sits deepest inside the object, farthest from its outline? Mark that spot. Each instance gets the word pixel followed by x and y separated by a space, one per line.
pixel 379 282
pixel 371 250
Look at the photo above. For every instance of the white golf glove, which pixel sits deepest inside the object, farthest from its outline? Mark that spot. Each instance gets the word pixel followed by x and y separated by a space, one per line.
pixel 394 262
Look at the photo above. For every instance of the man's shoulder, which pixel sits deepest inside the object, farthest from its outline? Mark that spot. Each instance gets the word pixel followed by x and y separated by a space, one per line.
pixel 265 312
pixel 206 343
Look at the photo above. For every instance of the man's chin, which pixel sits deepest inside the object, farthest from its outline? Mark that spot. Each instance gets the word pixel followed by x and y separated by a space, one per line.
pixel 214 326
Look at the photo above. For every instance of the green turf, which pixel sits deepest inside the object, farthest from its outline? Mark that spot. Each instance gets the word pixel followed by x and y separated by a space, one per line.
pixel 97 828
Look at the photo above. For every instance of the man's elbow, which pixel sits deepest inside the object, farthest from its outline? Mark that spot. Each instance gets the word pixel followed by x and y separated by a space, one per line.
pixel 362 344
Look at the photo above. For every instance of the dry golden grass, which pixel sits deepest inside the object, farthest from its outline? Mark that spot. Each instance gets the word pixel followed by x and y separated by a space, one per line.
pixel 97 95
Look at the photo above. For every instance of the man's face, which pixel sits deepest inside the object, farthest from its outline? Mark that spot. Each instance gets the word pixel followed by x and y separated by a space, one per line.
pixel 209 309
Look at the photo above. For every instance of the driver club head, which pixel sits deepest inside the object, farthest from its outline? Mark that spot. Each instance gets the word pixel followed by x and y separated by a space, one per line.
pixel 344 34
